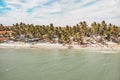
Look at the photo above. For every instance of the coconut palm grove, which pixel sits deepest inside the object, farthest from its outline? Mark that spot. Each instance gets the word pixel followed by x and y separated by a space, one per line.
pixel 80 33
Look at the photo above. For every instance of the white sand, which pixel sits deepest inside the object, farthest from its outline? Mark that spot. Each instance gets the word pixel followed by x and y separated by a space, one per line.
pixel 14 45
pixel 55 46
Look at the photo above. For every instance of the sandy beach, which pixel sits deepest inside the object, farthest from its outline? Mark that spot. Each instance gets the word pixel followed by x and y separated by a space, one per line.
pixel 57 46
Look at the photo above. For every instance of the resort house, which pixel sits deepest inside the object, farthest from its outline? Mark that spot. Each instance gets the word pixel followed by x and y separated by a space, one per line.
pixel 5 35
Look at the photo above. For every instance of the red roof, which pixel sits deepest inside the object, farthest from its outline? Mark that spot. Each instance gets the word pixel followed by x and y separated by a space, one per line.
pixel 3 38
pixel 4 32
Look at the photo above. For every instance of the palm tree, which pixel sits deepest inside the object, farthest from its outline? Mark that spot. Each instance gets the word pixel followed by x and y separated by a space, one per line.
pixel 78 32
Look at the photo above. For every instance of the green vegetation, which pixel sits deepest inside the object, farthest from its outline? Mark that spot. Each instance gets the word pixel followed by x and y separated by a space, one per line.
pixel 78 32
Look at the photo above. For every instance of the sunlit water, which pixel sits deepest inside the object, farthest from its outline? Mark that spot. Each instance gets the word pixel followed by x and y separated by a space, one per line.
pixel 43 64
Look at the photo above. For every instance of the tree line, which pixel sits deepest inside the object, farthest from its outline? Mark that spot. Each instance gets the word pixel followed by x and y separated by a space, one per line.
pixel 78 32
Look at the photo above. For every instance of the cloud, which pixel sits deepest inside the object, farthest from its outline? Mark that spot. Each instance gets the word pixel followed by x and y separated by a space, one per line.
pixel 59 12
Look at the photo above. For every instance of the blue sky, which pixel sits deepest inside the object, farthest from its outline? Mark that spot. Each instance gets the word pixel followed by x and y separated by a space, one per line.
pixel 59 12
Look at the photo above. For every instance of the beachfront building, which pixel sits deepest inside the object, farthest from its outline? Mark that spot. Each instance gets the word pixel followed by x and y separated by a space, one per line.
pixel 5 35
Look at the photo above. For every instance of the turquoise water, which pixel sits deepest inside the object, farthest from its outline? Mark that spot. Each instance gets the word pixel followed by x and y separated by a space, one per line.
pixel 43 64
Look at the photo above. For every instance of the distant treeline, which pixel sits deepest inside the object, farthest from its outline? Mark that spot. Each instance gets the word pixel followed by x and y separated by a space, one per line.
pixel 78 31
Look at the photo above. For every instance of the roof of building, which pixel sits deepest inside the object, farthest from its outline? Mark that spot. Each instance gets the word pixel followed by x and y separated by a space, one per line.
pixel 3 38
pixel 4 32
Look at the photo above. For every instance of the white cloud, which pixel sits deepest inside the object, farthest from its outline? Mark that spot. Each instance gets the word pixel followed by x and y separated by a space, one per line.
pixel 62 12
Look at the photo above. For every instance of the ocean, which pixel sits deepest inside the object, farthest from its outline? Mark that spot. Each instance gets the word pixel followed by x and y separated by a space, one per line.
pixel 58 64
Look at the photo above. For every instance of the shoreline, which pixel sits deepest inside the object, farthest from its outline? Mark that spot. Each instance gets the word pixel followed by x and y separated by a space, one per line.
pixel 55 46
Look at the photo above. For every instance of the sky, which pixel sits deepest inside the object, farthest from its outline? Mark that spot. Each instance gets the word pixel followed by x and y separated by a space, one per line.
pixel 59 12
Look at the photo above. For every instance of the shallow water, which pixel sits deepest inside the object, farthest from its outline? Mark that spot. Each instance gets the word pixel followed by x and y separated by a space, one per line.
pixel 43 64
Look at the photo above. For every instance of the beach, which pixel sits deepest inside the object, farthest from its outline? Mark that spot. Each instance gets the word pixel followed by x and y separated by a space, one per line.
pixel 57 46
